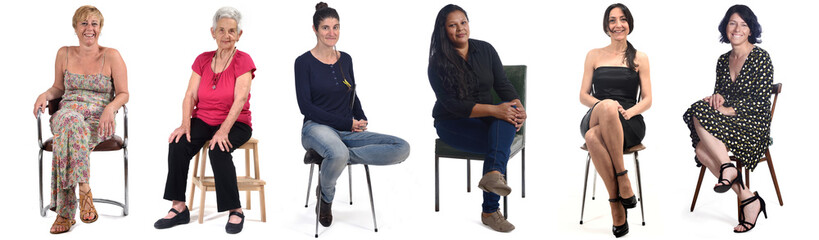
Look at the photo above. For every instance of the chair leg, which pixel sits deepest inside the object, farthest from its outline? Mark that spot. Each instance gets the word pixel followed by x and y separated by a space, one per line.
pixel 773 176
pixel 247 174
pixel 262 201
pixel 468 175
pixel 505 208
pixel 204 189
pixel 594 182
pixel 505 201
pixel 639 187
pixel 309 184
pixel 350 177
pixel 697 189
pixel 523 172
pixel 585 184
pixel 437 193
pixel 318 211
pixel 202 206
pixel 42 209
pixel 747 185
pixel 193 176
pixel 372 203
pixel 125 173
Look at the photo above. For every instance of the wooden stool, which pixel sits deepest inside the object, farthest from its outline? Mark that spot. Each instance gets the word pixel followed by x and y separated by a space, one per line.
pixel 245 183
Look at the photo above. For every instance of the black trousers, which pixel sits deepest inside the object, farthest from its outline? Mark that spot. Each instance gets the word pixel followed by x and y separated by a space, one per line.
pixel 221 162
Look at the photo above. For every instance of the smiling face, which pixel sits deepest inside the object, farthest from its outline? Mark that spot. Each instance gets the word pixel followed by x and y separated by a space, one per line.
pixel 618 27
pixel 457 28
pixel 88 30
pixel 226 33
pixel 327 32
pixel 737 30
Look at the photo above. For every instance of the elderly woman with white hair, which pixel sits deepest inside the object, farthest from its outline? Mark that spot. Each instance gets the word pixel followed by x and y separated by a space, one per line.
pixel 216 109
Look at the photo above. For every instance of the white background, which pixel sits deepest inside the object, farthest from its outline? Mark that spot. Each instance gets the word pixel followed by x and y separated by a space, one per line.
pixel 389 42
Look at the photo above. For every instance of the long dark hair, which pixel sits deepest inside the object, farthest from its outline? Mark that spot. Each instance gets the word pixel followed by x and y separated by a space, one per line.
pixel 443 57
pixel 631 52
pixel 323 11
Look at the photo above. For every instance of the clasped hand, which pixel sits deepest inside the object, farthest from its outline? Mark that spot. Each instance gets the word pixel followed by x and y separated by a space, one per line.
pixel 716 102
pixel 359 125
pixel 512 112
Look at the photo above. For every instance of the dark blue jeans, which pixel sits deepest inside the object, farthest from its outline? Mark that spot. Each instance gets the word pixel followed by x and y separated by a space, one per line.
pixel 487 135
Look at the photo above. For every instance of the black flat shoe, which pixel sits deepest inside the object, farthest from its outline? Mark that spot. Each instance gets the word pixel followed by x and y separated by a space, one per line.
pixel 183 217
pixel 630 202
pixel 726 184
pixel 621 230
pixel 234 228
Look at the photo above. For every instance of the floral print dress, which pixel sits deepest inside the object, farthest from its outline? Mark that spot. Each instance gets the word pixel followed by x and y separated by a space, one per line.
pixel 75 128
pixel 746 134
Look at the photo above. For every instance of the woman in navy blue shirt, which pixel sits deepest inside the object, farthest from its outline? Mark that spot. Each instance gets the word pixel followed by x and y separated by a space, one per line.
pixel 462 72
pixel 335 126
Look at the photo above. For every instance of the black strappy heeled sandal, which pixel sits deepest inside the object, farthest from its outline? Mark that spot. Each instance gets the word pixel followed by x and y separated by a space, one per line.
pixel 727 184
pixel 742 221
pixel 627 202
pixel 621 230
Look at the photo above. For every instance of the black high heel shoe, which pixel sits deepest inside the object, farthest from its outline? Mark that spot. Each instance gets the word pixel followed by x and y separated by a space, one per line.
pixel 621 230
pixel 727 184
pixel 627 202
pixel 748 226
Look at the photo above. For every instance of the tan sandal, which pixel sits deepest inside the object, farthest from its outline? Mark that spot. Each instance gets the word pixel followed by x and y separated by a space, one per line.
pixel 85 199
pixel 62 222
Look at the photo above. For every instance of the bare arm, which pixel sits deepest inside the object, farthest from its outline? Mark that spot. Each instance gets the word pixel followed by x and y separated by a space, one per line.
pixel 119 73
pixel 187 109
pixel 58 88
pixel 645 87
pixel 239 99
pixel 585 86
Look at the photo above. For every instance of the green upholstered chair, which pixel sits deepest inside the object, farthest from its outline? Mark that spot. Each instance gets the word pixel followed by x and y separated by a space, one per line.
pixel 517 75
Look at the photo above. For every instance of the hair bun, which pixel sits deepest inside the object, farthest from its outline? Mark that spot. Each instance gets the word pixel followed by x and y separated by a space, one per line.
pixel 321 5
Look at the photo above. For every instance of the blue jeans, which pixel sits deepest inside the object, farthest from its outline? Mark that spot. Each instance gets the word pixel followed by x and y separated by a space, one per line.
pixel 340 147
pixel 488 135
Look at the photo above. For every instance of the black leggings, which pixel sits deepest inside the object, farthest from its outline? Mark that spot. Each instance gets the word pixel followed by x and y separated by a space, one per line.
pixel 224 173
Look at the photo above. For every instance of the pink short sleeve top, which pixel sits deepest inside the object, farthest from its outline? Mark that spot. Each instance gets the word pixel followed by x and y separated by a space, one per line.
pixel 216 94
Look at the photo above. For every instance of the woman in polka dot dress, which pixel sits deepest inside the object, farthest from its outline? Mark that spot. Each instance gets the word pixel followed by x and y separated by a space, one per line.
pixel 737 116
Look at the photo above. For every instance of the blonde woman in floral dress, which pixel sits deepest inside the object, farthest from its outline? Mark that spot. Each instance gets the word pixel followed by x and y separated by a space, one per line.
pixel 93 84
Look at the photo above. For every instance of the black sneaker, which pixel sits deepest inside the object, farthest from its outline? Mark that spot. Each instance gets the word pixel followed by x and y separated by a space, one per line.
pixel 183 217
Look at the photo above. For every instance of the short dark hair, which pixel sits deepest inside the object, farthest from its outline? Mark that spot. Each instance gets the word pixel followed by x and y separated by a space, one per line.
pixel 748 16
pixel 323 11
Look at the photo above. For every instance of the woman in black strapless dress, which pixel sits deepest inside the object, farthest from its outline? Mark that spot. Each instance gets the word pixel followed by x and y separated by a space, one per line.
pixel 612 78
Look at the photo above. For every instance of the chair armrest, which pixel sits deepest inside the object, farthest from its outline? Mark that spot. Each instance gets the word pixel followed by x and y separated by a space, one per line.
pixel 39 131
pixel 53 106
pixel 125 127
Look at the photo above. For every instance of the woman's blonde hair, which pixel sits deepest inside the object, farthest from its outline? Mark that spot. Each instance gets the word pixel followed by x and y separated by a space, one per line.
pixel 83 12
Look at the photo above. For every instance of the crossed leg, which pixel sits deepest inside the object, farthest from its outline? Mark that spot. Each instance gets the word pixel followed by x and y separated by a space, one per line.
pixel 604 141
pixel 712 153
